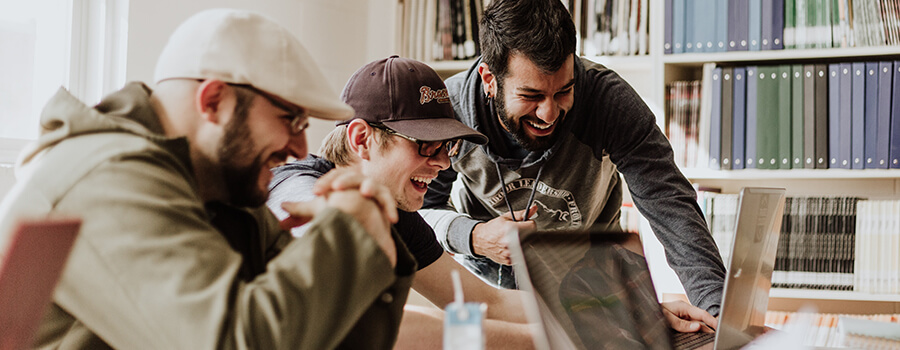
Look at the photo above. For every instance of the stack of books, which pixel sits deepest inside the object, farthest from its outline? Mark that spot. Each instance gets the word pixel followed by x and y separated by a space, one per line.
pixel 439 30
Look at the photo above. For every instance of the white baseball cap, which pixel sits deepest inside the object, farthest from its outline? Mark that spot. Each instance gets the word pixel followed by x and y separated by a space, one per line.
pixel 242 47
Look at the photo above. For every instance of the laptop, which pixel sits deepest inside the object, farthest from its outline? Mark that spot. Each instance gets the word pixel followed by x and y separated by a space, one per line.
pixel 30 266
pixel 592 289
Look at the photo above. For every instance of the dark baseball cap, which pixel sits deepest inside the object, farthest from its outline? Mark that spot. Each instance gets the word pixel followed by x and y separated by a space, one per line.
pixel 408 97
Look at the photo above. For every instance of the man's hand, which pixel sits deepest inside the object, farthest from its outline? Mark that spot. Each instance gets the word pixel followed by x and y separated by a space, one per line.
pixel 346 179
pixel 368 202
pixel 489 238
pixel 684 317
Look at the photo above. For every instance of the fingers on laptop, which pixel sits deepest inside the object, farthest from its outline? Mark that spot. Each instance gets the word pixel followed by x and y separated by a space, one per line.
pixel 685 317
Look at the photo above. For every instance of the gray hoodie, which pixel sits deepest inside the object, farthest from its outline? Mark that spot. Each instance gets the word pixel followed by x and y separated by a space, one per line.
pixel 609 131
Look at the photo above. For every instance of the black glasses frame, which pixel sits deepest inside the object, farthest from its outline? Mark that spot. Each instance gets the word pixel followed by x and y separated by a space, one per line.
pixel 427 149
pixel 297 121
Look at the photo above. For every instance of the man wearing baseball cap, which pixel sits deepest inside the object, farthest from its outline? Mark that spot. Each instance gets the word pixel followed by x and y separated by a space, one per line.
pixel 176 250
pixel 403 134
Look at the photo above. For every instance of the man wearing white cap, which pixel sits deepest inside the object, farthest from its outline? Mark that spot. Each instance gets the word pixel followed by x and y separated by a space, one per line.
pixel 177 250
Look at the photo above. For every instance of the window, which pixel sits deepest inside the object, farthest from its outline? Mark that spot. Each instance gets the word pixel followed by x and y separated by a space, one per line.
pixel 46 44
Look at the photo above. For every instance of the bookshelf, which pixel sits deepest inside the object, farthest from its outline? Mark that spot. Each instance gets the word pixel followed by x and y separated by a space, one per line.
pixel 867 183
pixel 649 75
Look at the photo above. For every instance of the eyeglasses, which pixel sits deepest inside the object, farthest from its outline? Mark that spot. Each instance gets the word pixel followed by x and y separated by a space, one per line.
pixel 297 120
pixel 427 149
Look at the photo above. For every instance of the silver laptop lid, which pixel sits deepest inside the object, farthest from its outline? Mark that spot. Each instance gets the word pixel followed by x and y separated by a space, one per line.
pixel 746 295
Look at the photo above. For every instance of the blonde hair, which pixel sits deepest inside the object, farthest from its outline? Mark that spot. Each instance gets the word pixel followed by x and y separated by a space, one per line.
pixel 336 148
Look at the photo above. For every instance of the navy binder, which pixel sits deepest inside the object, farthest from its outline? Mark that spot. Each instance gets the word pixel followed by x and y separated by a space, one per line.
pixel 715 120
pixel 739 123
pixel 821 115
pixel 883 133
pixel 895 119
pixel 858 117
pixel 778 25
pixel 845 119
pixel 809 116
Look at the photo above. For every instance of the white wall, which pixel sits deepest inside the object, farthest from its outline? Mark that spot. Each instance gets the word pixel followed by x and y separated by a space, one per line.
pixel 337 33
pixel 341 35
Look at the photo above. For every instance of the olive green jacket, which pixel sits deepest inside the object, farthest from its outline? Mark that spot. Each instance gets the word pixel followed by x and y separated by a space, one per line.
pixel 151 268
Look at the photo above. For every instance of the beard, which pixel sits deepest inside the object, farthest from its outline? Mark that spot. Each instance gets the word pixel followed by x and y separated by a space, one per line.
pixel 517 127
pixel 241 181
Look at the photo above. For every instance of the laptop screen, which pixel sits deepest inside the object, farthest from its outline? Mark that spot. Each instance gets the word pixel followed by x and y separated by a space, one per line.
pixel 592 290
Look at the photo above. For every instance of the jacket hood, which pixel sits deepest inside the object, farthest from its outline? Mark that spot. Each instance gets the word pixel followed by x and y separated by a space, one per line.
pixel 481 116
pixel 65 117
pixel 312 165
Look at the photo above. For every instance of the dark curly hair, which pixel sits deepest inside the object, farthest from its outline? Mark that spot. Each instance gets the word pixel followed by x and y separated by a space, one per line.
pixel 541 30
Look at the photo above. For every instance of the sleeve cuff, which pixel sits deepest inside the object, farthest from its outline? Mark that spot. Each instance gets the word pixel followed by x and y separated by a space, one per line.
pixel 459 236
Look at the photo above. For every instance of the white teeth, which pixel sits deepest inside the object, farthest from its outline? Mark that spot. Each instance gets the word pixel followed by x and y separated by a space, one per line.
pixel 541 127
pixel 426 180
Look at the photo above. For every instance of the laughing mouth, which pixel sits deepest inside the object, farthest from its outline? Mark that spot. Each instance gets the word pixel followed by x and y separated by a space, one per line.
pixel 541 126
pixel 425 180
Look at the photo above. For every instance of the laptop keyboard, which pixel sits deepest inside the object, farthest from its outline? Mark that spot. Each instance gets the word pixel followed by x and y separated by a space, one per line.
pixel 684 341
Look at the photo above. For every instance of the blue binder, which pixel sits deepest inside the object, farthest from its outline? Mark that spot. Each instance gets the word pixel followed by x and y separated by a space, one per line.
pixel 768 17
pixel 858 117
pixel 743 26
pixel 706 27
pixel 751 119
pixel 883 133
pixel 871 136
pixel 690 22
pixel 845 118
pixel 678 26
pixel 667 35
pixel 721 30
pixel 778 25
pixel 754 25
pixel 715 120
pixel 895 119
pixel 739 122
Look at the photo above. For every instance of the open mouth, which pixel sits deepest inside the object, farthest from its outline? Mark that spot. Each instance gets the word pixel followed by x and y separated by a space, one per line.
pixel 420 182
pixel 539 128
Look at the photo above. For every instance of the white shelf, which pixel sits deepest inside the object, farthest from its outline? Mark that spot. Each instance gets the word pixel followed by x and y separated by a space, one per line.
pixel 450 66
pixel 618 63
pixel 855 53
pixel 831 295
pixel 817 174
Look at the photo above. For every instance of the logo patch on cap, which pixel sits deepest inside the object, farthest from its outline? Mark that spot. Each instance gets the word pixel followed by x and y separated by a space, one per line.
pixel 428 95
